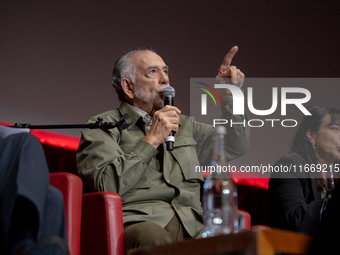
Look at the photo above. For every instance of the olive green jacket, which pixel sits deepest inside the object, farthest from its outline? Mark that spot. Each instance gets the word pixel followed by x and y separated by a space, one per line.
pixel 154 183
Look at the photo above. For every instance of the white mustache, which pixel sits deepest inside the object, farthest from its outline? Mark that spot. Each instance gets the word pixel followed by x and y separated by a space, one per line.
pixel 161 88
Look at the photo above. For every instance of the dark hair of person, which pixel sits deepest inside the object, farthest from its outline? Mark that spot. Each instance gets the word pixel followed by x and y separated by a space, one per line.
pixel 124 69
pixel 303 146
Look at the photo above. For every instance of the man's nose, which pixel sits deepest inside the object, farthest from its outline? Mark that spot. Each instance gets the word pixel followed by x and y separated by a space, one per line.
pixel 164 79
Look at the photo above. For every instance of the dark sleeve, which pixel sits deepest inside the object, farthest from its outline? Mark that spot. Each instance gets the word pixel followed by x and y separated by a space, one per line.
pixel 325 240
pixel 288 197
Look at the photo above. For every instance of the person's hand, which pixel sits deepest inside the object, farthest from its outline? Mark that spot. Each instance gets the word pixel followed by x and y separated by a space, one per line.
pixel 228 71
pixel 164 121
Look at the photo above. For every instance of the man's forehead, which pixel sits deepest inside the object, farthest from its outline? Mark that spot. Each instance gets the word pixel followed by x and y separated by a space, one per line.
pixel 146 58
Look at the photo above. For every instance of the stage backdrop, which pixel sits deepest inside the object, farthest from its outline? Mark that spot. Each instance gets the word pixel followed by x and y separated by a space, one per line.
pixel 57 56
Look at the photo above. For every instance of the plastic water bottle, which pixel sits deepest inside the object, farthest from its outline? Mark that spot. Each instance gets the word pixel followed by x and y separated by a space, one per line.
pixel 219 193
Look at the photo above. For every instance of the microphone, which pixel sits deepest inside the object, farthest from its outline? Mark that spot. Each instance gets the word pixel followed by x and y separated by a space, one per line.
pixel 169 94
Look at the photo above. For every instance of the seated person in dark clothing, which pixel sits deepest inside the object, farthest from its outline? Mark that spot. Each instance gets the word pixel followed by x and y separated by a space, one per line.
pixel 325 239
pixel 296 197
pixel 32 214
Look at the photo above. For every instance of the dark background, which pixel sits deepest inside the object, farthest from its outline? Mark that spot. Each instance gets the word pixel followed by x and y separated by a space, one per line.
pixel 57 56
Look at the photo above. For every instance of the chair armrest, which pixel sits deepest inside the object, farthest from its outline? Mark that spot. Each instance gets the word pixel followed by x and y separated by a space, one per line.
pixel 102 224
pixel 71 187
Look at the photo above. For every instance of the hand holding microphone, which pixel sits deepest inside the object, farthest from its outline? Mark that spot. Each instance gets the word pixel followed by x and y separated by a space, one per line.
pixel 169 95
pixel 165 122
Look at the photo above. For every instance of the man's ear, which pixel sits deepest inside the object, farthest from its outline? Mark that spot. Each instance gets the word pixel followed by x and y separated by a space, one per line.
pixel 127 86
pixel 310 136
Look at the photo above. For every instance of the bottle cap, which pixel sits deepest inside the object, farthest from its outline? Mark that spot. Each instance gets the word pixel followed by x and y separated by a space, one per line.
pixel 220 130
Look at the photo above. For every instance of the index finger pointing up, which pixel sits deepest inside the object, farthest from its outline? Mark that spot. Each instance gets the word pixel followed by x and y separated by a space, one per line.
pixel 228 58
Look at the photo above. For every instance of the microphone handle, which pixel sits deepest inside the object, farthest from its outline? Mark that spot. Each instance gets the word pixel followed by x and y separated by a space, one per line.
pixel 169 101
pixel 169 144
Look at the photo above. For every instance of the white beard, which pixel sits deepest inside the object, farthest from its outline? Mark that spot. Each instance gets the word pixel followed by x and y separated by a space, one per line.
pixel 157 101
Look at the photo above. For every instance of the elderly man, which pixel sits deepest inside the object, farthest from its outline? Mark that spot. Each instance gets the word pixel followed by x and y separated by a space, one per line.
pixel 160 197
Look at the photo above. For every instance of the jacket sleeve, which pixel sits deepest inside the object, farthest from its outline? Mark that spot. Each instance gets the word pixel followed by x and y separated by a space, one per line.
pixel 236 141
pixel 105 166
pixel 291 203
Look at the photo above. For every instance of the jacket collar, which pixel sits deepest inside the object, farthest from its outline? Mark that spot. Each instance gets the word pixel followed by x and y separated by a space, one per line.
pixel 134 119
pixel 316 192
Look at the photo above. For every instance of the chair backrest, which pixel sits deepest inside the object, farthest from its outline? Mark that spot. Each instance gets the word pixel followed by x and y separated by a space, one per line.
pixel 71 186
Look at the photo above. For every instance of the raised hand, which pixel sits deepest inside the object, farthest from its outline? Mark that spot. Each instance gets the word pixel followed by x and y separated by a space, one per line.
pixel 226 70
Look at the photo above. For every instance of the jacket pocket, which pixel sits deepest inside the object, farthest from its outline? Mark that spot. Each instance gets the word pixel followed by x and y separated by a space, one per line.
pixel 186 155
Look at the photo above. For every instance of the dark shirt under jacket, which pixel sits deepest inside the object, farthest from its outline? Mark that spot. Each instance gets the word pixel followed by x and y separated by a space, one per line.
pixel 294 202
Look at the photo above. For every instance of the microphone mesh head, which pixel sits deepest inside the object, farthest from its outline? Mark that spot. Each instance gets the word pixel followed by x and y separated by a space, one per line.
pixel 168 91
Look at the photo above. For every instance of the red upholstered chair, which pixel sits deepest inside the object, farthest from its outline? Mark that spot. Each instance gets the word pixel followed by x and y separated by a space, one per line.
pixel 102 224
pixel 72 187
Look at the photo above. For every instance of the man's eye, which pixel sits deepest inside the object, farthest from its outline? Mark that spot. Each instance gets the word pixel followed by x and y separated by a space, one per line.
pixel 334 127
pixel 153 71
pixel 166 71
